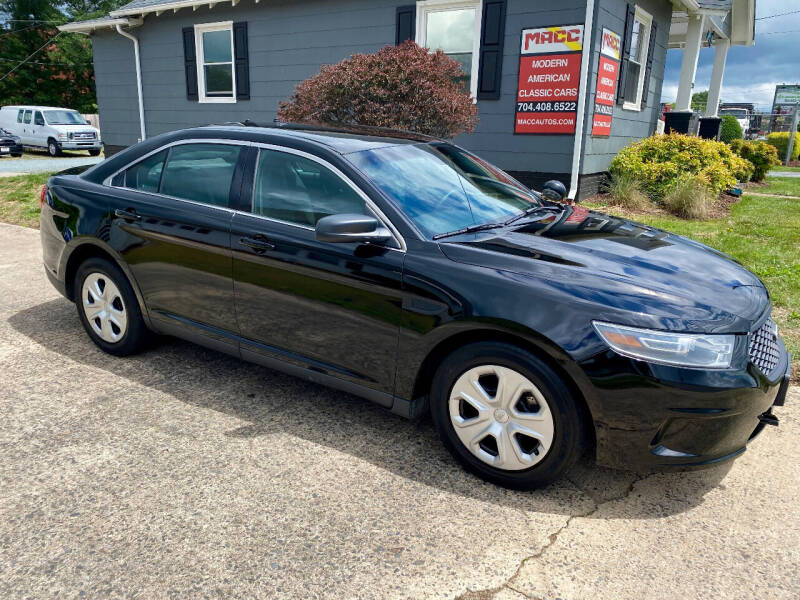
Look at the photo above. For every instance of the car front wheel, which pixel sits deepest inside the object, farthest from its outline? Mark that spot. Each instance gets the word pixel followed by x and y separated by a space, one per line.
pixel 506 415
pixel 108 308
pixel 53 149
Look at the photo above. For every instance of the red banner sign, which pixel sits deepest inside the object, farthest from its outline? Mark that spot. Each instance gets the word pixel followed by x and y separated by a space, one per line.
pixel 606 89
pixel 549 75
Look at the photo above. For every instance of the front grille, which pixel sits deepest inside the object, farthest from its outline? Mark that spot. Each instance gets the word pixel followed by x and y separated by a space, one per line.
pixel 82 135
pixel 764 351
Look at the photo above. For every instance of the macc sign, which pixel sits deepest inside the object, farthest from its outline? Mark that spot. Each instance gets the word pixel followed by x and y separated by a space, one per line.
pixel 552 39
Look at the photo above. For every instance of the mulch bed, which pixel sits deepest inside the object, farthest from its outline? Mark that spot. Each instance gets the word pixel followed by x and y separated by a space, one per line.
pixel 721 207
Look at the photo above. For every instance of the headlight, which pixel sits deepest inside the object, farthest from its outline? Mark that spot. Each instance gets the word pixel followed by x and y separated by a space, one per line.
pixel 62 136
pixel 680 349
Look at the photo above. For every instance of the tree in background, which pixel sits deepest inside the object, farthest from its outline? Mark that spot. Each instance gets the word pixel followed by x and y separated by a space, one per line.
pixel 401 87
pixel 61 73
pixel 699 101
pixel 730 129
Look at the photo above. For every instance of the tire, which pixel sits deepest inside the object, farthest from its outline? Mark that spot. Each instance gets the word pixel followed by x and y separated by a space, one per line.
pixel 94 152
pixel 542 404
pixel 53 148
pixel 118 328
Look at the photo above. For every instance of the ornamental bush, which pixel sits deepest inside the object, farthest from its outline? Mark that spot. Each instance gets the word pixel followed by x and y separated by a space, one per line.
pixel 730 129
pixel 401 87
pixel 659 161
pixel 761 155
pixel 780 140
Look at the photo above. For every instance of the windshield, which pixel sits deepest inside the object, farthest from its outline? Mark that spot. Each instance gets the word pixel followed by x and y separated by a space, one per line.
pixel 63 117
pixel 442 188
pixel 739 113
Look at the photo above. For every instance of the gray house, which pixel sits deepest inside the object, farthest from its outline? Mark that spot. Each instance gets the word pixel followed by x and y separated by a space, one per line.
pixel 560 86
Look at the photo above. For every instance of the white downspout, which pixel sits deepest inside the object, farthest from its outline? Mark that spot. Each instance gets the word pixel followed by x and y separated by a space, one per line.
pixel 135 41
pixel 586 53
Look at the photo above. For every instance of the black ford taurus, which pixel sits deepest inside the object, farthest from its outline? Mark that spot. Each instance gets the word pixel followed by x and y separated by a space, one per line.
pixel 411 272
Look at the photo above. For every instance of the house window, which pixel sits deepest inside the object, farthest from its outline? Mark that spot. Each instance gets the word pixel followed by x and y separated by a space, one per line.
pixel 454 27
pixel 216 77
pixel 640 43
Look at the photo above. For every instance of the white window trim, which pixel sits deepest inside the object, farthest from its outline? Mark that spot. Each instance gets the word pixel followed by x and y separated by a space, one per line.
pixel 645 18
pixel 199 30
pixel 425 7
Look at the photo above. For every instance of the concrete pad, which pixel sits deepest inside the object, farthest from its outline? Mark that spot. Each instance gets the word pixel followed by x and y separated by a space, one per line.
pixel 183 472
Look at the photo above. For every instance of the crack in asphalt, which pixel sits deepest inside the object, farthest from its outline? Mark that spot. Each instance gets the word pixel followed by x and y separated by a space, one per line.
pixel 489 593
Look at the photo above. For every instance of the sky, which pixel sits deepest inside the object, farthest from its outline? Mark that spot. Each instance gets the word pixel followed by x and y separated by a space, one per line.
pixel 751 73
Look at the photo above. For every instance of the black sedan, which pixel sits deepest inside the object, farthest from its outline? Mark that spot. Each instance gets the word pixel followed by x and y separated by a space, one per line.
pixel 10 144
pixel 408 271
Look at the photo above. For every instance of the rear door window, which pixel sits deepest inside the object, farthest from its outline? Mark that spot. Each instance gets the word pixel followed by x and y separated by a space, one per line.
pixel 144 175
pixel 200 172
pixel 19 116
pixel 27 118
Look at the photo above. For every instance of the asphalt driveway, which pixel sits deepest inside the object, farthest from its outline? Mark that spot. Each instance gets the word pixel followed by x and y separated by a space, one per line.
pixel 185 473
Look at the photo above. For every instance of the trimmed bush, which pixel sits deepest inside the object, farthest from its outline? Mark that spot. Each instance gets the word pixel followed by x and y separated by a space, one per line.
pixel 761 155
pixel 401 87
pixel 730 129
pixel 688 197
pixel 780 140
pixel 659 161
pixel 626 191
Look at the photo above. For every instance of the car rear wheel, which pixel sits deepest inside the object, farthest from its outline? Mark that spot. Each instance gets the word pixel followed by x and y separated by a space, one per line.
pixel 53 148
pixel 108 308
pixel 506 415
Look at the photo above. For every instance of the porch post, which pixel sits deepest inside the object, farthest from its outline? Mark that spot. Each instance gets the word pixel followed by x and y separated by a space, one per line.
pixel 691 53
pixel 720 56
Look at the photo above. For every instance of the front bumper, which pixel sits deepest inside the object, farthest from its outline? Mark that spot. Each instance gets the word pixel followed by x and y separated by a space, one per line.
pixel 10 149
pixel 655 417
pixel 80 144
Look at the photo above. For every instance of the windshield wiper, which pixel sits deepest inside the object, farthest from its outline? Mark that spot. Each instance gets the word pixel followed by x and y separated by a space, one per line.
pixel 531 210
pixel 470 229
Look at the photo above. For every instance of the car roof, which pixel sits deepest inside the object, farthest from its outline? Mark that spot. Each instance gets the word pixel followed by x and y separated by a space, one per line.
pixel 341 139
pixel 34 107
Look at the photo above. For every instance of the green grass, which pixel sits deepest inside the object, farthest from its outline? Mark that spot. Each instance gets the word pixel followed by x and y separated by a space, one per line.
pixel 762 233
pixel 784 186
pixel 790 169
pixel 19 198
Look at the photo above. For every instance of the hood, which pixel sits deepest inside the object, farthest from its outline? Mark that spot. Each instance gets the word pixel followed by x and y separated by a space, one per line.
pixel 76 127
pixel 591 245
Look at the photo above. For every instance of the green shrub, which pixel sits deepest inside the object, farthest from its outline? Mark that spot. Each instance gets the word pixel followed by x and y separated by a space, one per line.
pixel 659 161
pixel 626 191
pixel 730 129
pixel 688 197
pixel 781 141
pixel 763 156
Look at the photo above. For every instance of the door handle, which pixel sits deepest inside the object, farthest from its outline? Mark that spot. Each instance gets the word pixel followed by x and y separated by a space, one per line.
pixel 128 215
pixel 258 243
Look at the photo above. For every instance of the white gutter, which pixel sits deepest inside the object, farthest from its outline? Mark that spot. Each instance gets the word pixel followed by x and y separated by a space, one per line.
pixel 89 26
pixel 586 53
pixel 135 41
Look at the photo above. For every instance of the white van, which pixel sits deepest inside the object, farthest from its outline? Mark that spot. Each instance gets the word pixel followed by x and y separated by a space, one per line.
pixel 50 127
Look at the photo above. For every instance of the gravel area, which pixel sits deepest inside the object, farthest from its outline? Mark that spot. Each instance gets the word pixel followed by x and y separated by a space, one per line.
pixel 44 165
pixel 183 472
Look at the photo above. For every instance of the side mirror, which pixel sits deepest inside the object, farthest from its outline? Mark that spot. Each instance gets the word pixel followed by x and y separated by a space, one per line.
pixel 360 229
pixel 554 191
pixel 87 121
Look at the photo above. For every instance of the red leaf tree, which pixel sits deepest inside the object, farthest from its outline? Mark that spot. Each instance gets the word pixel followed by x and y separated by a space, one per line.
pixel 401 87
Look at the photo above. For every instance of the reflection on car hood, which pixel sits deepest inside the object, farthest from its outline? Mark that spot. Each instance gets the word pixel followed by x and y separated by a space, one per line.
pixel 588 243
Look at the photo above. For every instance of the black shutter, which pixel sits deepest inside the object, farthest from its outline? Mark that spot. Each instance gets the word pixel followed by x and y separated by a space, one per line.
pixel 406 23
pixel 493 29
pixel 190 63
pixel 650 52
pixel 626 54
pixel 241 61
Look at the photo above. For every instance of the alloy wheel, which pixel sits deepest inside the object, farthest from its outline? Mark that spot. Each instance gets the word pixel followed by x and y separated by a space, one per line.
pixel 501 417
pixel 104 308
